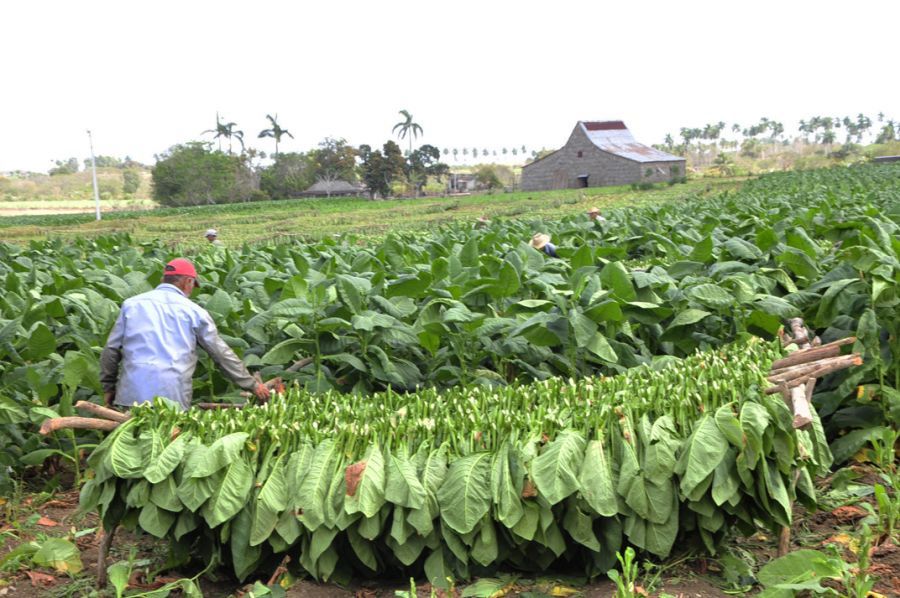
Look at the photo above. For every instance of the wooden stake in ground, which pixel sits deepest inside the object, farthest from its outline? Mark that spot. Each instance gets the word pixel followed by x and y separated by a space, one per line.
pixel 801 337
pixel 103 552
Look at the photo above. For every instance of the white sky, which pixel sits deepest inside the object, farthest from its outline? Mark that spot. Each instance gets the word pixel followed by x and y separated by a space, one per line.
pixel 146 75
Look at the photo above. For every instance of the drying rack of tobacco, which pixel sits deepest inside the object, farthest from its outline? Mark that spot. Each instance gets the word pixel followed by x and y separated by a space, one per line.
pixel 466 481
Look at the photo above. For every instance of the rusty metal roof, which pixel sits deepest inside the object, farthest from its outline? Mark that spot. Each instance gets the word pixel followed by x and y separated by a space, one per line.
pixel 613 136
pixel 604 125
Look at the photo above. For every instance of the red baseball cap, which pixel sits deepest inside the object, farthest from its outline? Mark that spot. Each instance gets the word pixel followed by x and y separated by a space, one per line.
pixel 181 267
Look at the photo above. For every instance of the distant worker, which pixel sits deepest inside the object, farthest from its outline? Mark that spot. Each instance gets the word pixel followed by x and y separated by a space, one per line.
pixel 594 215
pixel 212 235
pixel 155 340
pixel 481 222
pixel 541 242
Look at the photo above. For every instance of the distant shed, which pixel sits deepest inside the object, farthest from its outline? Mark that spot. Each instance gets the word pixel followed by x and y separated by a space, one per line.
pixel 597 154
pixel 333 189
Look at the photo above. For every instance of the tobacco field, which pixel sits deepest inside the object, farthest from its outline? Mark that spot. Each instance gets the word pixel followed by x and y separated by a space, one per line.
pixel 471 403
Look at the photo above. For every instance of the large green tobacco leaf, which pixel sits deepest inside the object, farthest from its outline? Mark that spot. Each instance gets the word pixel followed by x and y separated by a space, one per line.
pixel 59 554
pixel 506 488
pixel 555 470
pixel 368 495
pixel 41 342
pixel 649 500
pixel 688 317
pixel 166 462
pixel 712 295
pixel 314 490
pixel 223 452
pixel 580 526
pixel 231 495
pixel 403 487
pixel 244 554
pixel 800 570
pixel 156 521
pixel 127 453
pixel 270 502
pixel 165 495
pixel 655 538
pixel 465 495
pixel 704 450
pixel 596 480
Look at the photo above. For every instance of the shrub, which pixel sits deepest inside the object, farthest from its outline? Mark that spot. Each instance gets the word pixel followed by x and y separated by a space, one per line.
pixel 131 182
pixel 191 174
pixel 487 178
pixel 288 176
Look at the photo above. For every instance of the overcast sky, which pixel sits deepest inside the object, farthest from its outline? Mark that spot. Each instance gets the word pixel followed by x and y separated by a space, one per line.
pixel 144 76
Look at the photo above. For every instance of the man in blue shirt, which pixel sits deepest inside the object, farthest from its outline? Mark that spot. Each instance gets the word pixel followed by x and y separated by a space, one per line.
pixel 155 339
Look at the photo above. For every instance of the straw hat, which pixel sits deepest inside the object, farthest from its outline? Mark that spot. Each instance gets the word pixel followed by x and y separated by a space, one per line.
pixel 539 240
pixel 211 233
pixel 594 211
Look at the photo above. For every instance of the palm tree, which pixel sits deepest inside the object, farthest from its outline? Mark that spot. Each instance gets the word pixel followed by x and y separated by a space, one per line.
pixel 226 130
pixel 407 127
pixel 275 132
pixel 455 154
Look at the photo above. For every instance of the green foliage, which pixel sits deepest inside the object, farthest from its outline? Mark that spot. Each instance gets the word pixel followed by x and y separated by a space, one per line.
pixel 626 581
pixel 486 177
pixel 381 167
pixel 805 570
pixel 57 554
pixel 335 159
pixel 131 182
pixel 520 475
pixel 69 166
pixel 463 305
pixel 289 175
pixel 192 174
pixel 423 163
pixel 104 162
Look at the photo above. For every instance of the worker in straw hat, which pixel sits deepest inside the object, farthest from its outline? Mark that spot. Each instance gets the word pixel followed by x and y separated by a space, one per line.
pixel 541 242
pixel 594 215
pixel 212 235
pixel 155 340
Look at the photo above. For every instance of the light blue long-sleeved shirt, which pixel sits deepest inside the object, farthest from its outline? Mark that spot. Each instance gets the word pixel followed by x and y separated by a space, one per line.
pixel 155 339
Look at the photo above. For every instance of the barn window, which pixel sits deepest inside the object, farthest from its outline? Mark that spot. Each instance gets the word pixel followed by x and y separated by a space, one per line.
pixel 579 153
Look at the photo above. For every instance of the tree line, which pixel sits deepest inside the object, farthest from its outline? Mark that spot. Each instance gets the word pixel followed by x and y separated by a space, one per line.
pixel 824 130
pixel 199 173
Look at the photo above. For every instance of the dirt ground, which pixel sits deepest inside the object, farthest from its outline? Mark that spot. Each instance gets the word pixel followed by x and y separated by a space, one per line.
pixel 692 578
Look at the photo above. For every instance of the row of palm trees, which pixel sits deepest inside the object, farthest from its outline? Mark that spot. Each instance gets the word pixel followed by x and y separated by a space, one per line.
pixel 823 129
pixel 408 129
pixel 405 129
pixel 228 130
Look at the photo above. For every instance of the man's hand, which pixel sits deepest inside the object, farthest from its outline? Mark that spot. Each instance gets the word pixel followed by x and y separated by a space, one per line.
pixel 261 392
pixel 108 397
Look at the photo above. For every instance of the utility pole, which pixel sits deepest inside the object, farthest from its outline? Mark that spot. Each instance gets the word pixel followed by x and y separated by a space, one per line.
pixel 94 174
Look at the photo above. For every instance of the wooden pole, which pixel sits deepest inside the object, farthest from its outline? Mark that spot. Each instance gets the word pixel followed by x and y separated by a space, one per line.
pixel 104 412
pixel 103 552
pixel 78 423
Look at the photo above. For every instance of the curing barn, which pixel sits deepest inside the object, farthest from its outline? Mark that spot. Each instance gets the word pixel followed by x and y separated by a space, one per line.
pixel 600 153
